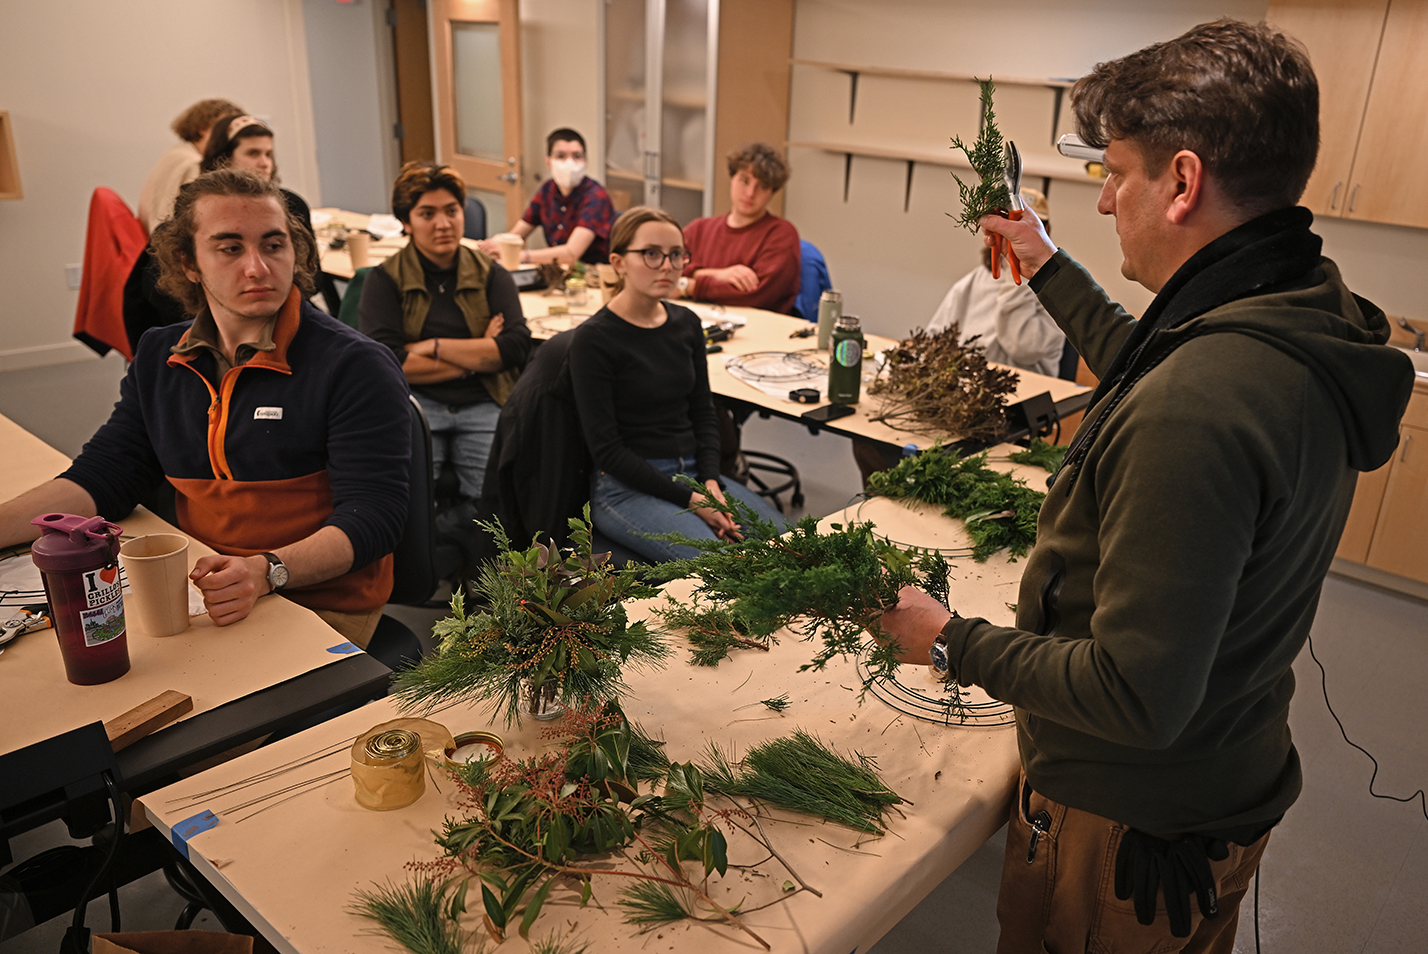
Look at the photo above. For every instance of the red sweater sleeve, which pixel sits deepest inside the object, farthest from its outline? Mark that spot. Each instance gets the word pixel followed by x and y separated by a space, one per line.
pixel 770 247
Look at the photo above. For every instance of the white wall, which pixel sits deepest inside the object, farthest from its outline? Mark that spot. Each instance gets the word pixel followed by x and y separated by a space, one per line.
pixel 91 87
pixel 353 101
pixel 895 266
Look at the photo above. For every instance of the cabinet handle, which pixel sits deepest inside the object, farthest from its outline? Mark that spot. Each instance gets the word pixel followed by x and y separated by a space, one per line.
pixel 1403 454
pixel 1334 196
pixel 1353 196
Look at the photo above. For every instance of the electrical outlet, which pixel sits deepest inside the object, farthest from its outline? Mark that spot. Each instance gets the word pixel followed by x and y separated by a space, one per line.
pixel 72 275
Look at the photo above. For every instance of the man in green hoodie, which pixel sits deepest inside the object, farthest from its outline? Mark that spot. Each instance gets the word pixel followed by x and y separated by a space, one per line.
pixel 1182 546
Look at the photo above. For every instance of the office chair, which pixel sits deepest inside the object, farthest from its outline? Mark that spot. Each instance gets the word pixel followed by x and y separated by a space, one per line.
pixel 475 218
pixel 74 776
pixel 352 298
pixel 414 572
pixel 814 281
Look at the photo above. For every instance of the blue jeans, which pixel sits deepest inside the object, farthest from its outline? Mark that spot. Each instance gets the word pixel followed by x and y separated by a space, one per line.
pixel 462 435
pixel 625 515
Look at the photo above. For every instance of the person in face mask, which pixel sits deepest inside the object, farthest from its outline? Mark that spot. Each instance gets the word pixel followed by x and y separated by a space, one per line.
pixel 572 209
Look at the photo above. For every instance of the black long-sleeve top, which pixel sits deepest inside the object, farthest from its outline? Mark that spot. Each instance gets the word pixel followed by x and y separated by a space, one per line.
pixel 643 394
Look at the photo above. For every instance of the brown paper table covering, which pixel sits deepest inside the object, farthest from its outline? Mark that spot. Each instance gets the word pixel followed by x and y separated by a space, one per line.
pixel 293 869
pixel 214 665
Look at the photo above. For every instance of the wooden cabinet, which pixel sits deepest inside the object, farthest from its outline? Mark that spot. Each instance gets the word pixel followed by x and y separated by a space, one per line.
pixel 687 81
pixel 1388 525
pixel 9 165
pixel 1373 124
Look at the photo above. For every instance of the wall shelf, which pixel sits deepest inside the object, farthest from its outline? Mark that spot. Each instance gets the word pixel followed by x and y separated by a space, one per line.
pixel 612 173
pixel 9 165
pixel 932 74
pixel 1041 167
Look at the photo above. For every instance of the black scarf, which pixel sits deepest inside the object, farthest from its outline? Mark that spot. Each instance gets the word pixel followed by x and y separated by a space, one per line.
pixel 1264 255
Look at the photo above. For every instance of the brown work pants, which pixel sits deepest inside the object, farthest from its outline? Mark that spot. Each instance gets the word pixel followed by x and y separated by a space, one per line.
pixel 1064 900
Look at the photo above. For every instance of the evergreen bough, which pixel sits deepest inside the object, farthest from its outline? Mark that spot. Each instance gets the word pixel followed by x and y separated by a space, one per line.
pixel 999 510
pixel 553 615
pixel 988 160
pixel 832 587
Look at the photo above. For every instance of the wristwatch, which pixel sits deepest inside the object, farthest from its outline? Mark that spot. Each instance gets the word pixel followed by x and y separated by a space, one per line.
pixel 683 285
pixel 941 661
pixel 277 572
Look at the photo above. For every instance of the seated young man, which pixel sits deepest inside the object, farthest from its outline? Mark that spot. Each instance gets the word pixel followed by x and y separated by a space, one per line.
pixel 572 209
pixel 179 164
pixel 749 257
pixel 286 435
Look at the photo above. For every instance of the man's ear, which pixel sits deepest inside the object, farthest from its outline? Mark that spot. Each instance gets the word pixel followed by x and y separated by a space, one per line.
pixel 1187 177
pixel 190 272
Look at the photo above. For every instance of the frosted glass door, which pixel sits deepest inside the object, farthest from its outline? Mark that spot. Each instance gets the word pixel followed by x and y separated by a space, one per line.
pixel 476 74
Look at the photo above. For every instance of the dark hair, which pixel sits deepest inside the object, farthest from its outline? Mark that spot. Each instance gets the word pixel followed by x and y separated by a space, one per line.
pixel 419 177
pixel 564 134
pixel 1241 96
pixel 199 118
pixel 764 163
pixel 172 243
pixel 224 140
pixel 629 222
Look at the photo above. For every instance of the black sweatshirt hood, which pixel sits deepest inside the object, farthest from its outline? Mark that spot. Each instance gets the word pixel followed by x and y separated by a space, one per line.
pixel 1286 294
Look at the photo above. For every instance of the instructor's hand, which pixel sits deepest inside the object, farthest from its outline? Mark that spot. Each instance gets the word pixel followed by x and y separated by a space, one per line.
pixel 230 585
pixel 1028 238
pixel 914 622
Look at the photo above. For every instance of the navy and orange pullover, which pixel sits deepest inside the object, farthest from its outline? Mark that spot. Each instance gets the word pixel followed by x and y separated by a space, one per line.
pixel 311 434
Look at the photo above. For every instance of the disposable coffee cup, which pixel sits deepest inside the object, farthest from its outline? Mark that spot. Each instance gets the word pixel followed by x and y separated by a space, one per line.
pixel 608 278
pixel 359 247
pixel 510 246
pixel 157 567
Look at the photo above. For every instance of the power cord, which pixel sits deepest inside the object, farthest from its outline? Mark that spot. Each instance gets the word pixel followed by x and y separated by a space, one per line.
pixel 1324 684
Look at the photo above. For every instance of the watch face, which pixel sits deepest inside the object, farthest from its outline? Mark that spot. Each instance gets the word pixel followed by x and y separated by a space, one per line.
pixel 278 576
pixel 939 656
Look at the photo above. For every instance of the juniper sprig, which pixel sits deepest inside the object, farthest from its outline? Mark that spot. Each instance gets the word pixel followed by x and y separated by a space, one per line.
pixel 831 587
pixel 712 631
pixel 1040 454
pixel 988 161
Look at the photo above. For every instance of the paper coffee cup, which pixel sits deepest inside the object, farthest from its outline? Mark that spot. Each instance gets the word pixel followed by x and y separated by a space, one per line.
pixel 359 247
pixel 157 567
pixel 510 246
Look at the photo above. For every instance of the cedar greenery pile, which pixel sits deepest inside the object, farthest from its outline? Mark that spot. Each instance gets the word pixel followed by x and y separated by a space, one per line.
pixel 934 383
pixel 832 586
pixel 999 510
pixel 988 161
pixel 553 616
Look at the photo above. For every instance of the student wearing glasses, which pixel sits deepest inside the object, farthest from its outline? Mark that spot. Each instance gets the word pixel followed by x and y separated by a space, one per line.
pixel 641 380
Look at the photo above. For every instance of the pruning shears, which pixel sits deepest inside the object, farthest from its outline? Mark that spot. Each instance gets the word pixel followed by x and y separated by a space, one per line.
pixel 27 620
pixel 1011 174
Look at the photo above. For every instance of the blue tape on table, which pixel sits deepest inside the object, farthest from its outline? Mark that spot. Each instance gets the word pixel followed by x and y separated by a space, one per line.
pixel 194 825
pixel 344 649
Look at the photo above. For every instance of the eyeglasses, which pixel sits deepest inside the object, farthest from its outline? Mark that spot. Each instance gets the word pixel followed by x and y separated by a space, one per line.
pixel 654 257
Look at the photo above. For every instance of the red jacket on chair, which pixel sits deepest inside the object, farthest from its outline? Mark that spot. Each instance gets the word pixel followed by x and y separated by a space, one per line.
pixel 114 240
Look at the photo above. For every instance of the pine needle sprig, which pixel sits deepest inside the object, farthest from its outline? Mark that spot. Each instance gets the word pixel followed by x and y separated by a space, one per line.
pixel 831 587
pixel 421 915
pixel 1000 510
pixel 712 631
pixel 800 773
pixel 1040 454
pixel 988 160
pixel 651 904
pixel 936 384
pixel 551 616
pixel 557 944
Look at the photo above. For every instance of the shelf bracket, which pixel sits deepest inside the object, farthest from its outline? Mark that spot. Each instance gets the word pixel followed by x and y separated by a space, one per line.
pixel 847 174
pixel 907 189
pixel 852 95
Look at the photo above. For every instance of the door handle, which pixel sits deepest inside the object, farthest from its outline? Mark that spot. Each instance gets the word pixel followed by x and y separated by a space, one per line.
pixel 509 177
pixel 1354 196
pixel 1334 196
pixel 1403 454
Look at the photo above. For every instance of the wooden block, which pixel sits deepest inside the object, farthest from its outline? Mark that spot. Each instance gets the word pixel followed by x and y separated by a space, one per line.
pixel 144 718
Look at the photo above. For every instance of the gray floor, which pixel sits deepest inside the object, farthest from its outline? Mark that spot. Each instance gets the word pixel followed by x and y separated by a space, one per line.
pixel 1345 873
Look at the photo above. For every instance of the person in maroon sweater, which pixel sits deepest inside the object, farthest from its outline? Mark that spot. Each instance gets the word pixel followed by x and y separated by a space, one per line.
pixel 749 257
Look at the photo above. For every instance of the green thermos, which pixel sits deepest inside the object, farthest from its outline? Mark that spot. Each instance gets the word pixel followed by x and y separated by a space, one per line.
pixel 845 361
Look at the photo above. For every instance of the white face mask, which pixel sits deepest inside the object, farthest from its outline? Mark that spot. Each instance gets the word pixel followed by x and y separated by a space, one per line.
pixel 567 173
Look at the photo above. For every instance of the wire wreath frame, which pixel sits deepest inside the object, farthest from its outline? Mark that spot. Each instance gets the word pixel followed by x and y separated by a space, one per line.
pixel 942 708
pixel 776 367
pixel 857 515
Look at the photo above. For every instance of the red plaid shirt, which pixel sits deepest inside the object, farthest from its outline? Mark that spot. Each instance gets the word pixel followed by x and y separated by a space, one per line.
pixel 559 215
